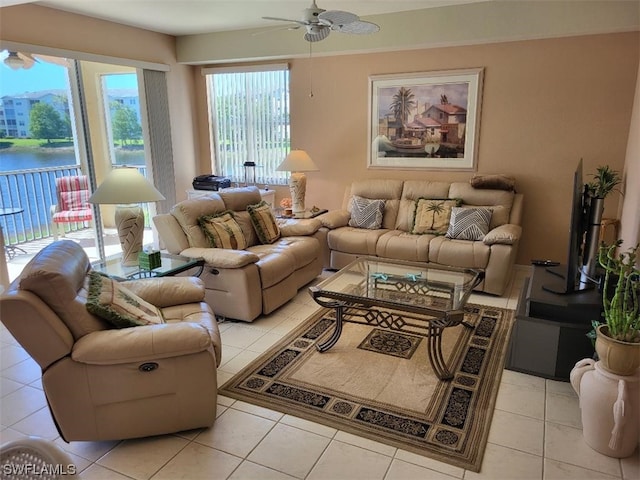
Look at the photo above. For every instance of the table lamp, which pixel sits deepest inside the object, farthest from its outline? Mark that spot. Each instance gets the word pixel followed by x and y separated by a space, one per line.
pixel 126 188
pixel 297 162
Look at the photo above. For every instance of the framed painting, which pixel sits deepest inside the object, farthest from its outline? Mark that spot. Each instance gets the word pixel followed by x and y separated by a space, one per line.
pixel 428 120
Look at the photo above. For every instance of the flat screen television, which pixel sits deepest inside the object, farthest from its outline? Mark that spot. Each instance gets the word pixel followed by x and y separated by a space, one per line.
pixel 571 277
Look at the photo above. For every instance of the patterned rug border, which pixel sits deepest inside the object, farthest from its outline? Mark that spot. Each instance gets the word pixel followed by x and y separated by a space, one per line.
pixel 466 453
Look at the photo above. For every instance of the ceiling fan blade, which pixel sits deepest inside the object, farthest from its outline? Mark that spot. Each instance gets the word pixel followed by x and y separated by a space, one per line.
pixel 336 18
pixel 359 28
pixel 63 62
pixel 285 20
pixel 317 35
pixel 28 60
pixel 276 29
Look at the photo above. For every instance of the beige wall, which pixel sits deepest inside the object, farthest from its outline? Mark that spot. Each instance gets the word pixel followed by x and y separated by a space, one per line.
pixel 40 26
pixel 545 105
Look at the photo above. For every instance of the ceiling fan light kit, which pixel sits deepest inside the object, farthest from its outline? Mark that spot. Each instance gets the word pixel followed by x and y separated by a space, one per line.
pixel 319 23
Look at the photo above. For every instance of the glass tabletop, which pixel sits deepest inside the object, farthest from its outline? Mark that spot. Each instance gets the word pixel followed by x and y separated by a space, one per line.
pixel 170 265
pixel 415 287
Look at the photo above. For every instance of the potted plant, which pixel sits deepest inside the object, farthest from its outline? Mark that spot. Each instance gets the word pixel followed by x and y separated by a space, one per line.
pixel 618 338
pixel 605 181
pixel 609 389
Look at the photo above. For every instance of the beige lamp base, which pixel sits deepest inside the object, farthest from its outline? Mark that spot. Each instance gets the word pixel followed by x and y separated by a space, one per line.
pixel 298 188
pixel 130 225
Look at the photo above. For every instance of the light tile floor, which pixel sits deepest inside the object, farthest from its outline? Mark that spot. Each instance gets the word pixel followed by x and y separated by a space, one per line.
pixel 535 434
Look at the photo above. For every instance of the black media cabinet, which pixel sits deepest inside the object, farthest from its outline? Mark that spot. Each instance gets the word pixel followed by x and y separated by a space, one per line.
pixel 549 334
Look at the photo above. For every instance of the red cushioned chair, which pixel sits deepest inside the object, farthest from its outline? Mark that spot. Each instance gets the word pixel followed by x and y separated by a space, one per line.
pixel 73 206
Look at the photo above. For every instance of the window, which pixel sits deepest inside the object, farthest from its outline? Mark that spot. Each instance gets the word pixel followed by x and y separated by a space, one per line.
pixel 249 117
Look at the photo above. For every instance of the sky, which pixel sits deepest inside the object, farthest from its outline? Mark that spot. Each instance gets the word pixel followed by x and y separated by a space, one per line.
pixel 46 76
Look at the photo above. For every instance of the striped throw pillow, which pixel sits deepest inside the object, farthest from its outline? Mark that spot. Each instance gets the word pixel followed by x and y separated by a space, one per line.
pixel 469 223
pixel 366 213
pixel 264 223
pixel 223 231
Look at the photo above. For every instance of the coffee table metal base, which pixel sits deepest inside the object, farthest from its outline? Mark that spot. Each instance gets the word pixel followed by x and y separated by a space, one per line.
pixel 429 328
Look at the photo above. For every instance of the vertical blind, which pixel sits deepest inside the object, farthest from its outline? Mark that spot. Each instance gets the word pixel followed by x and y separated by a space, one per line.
pixel 249 113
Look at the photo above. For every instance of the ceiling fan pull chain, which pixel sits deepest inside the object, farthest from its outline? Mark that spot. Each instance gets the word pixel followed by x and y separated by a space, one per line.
pixel 310 72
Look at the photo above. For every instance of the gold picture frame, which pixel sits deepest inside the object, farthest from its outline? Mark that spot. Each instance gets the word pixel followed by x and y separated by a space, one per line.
pixel 427 120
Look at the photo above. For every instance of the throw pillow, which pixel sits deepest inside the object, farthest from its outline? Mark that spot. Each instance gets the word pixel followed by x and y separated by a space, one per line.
pixel 366 213
pixel 433 214
pixel 118 305
pixel 469 223
pixel 264 223
pixel 223 231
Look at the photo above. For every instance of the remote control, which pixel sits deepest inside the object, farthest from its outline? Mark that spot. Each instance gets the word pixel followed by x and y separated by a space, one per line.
pixel 545 263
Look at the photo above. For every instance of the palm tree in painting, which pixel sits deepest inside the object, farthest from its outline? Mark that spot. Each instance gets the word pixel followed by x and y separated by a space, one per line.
pixel 435 208
pixel 403 102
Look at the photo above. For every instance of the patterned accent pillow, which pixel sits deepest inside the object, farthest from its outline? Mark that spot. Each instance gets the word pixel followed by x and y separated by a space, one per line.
pixel 366 213
pixel 264 223
pixel 469 223
pixel 433 214
pixel 118 305
pixel 223 231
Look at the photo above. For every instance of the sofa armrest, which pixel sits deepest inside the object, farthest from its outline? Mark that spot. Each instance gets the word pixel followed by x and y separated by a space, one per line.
pixel 334 219
pixel 222 257
pixel 141 344
pixel 168 291
pixel 301 227
pixel 507 234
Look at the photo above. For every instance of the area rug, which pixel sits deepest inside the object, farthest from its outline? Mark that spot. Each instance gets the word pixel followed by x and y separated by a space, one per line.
pixel 379 384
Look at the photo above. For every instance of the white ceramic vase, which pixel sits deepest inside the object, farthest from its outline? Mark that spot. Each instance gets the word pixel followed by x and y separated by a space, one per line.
pixel 609 406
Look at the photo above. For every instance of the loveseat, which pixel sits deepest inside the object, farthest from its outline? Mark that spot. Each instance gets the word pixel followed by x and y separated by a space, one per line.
pixel 398 237
pixel 246 275
pixel 108 383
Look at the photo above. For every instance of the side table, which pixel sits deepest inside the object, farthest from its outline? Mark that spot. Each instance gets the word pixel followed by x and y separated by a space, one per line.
pixel 7 249
pixel 171 265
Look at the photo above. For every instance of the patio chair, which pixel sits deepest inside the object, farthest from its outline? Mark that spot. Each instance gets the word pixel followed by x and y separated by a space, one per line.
pixel 73 206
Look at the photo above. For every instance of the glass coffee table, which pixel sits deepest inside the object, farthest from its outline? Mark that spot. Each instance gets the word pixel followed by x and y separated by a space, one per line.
pixel 170 265
pixel 419 298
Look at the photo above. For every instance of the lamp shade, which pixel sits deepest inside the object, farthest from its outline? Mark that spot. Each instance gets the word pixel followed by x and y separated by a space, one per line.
pixel 123 186
pixel 297 161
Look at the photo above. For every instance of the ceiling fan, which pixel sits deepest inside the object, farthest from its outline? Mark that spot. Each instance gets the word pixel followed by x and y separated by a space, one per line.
pixel 319 23
pixel 17 60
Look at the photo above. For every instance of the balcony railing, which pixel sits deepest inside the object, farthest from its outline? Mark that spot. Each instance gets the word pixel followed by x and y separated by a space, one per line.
pixel 34 191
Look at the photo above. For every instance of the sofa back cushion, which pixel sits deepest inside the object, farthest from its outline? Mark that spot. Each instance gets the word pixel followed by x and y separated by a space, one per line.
pixel 498 201
pixel 378 189
pixel 412 190
pixel 238 199
pixel 188 212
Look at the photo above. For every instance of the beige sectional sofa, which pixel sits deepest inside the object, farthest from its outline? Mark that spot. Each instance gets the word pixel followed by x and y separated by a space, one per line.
pixel 242 284
pixel 495 253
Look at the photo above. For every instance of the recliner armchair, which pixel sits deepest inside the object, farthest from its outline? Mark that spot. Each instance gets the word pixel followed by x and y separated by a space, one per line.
pixel 103 383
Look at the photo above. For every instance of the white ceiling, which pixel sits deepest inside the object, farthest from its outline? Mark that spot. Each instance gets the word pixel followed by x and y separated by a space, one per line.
pixel 185 17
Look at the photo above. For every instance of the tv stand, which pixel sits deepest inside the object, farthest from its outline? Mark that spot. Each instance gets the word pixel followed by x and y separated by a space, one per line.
pixel 583 284
pixel 549 334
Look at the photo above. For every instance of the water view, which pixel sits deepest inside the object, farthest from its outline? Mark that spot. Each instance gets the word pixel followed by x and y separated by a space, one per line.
pixel 26 160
